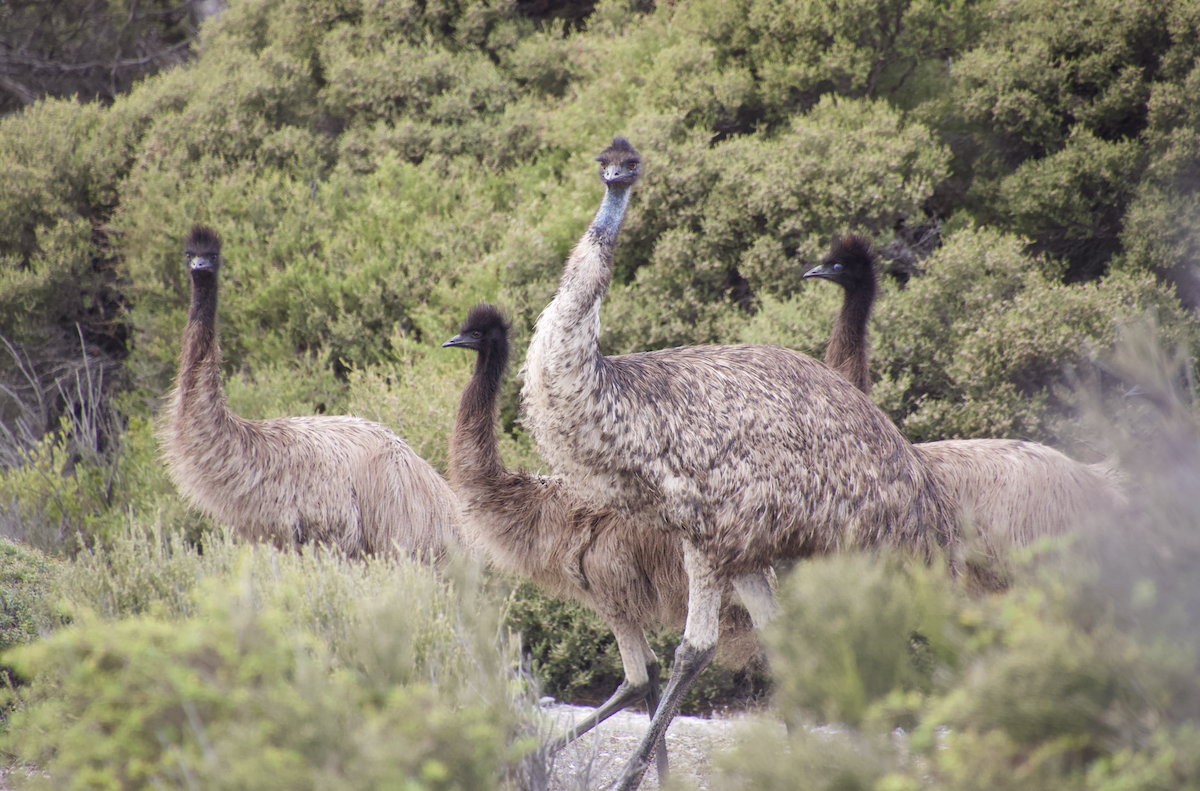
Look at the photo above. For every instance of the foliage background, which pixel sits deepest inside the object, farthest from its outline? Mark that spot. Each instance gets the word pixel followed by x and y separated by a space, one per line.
pixel 1028 170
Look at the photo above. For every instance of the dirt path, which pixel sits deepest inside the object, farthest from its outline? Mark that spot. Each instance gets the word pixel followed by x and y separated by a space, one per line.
pixel 596 760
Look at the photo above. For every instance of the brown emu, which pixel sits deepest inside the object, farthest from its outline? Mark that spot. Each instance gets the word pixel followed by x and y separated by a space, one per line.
pixel 537 527
pixel 745 454
pixel 1012 491
pixel 336 480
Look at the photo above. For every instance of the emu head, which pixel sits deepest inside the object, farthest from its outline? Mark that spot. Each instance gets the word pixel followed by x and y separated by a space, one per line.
pixel 619 163
pixel 850 263
pixel 202 249
pixel 485 329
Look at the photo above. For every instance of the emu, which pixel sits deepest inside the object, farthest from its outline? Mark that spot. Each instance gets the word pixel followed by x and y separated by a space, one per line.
pixel 537 527
pixel 336 480
pixel 744 454
pixel 1013 491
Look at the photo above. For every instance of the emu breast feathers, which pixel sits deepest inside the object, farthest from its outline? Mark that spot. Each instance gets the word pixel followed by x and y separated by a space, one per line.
pixel 672 436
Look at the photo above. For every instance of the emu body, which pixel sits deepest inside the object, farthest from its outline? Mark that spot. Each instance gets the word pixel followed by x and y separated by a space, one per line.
pixel 335 480
pixel 745 454
pixel 535 526
pixel 1012 491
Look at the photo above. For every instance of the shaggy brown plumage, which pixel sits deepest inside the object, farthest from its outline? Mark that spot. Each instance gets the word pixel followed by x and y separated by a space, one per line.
pixel 535 526
pixel 335 480
pixel 1013 492
pixel 747 454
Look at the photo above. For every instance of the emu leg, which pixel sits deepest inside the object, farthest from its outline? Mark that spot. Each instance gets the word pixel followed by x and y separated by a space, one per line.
pixel 641 679
pixel 652 698
pixel 626 695
pixel 693 655
pixel 758 597
pixel 689 661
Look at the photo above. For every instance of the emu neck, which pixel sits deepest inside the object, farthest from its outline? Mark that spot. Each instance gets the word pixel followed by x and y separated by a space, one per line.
pixel 474 449
pixel 563 364
pixel 199 379
pixel 608 219
pixel 848 344
pixel 575 310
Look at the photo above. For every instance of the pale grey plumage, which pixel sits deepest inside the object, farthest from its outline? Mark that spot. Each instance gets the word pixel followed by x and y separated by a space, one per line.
pixel 747 454
pixel 336 480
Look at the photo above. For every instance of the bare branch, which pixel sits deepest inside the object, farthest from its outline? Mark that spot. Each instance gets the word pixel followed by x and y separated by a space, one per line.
pixel 21 91
pixel 37 63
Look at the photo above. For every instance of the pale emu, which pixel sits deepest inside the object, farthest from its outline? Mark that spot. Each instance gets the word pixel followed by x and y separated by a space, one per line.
pixel 335 480
pixel 745 454
pixel 535 526
pixel 1012 491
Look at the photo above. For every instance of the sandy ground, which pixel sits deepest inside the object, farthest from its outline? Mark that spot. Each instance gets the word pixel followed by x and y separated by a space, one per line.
pixel 596 759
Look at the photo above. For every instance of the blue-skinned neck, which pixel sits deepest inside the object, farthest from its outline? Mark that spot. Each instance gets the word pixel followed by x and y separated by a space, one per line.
pixel 612 211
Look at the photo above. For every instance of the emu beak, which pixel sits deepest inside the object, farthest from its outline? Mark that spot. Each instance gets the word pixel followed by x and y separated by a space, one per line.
pixel 821 270
pixel 610 173
pixel 457 340
pixel 617 173
pixel 203 263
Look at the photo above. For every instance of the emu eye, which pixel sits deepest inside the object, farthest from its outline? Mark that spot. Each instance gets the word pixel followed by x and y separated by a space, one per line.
pixel 476 334
pixel 837 267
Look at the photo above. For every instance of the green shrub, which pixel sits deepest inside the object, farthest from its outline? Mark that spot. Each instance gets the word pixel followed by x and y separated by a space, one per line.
pixel 246 666
pixel 407 608
pixel 855 629
pixel 52 500
pixel 1065 95
pixel 236 699
pixel 25 584
pixel 766 760
pixel 981 345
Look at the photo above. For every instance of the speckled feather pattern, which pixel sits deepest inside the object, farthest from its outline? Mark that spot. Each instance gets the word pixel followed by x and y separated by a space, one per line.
pixel 751 452
pixel 336 480
pixel 537 527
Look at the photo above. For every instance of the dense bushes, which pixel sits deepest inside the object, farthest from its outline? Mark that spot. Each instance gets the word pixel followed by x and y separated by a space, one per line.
pixel 377 167
pixel 231 704
pixel 25 581
pixel 249 668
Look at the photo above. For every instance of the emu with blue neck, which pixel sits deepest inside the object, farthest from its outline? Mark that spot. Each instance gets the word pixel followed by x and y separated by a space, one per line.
pixel 743 454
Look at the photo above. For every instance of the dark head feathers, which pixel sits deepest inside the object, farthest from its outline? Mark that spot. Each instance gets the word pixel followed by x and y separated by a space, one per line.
pixel 485 317
pixel 853 250
pixel 485 329
pixel 850 262
pixel 619 151
pixel 202 241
